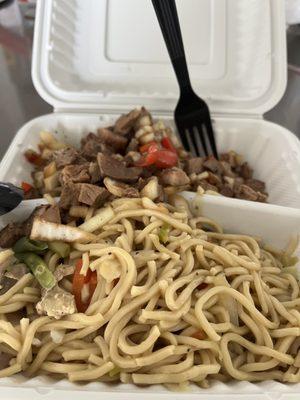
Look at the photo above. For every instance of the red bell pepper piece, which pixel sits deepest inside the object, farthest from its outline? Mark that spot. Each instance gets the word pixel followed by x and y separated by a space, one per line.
pixel 150 147
pixel 26 187
pixel 165 159
pixel 79 280
pixel 168 144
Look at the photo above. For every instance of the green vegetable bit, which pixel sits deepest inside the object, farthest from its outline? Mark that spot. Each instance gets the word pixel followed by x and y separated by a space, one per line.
pixel 39 269
pixel 61 248
pixel 163 233
pixel 25 244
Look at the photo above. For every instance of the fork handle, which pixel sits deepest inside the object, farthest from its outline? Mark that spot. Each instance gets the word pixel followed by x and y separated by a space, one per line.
pixel 167 16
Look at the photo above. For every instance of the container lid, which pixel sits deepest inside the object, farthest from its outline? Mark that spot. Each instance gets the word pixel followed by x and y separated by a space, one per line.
pixel 110 56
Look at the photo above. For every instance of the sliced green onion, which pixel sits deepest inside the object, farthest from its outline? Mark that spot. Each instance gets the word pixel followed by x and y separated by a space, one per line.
pixel 25 244
pixel 289 261
pixel 163 233
pixel 61 248
pixel 38 268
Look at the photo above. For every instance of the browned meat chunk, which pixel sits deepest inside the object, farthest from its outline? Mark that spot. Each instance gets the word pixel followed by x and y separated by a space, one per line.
pixel 262 197
pixel 92 195
pixel 116 141
pixel 125 123
pixel 226 169
pixel 66 157
pixel 256 184
pixel 133 145
pixel 120 189
pixel 116 169
pixel 194 165
pixel 214 179
pixel 10 234
pixel 226 191
pixel 207 186
pixel 47 213
pixel 174 177
pixel 246 193
pixel 69 196
pixel 92 145
pixel 94 172
pixel 75 174
pixel 213 165
pixel 246 171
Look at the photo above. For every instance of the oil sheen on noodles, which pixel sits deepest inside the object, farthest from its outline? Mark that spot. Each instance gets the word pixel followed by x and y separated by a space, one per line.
pixel 177 301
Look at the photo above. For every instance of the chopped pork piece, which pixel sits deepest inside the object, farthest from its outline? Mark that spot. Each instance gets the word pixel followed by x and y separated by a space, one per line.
pixel 92 145
pixel 47 213
pixel 69 196
pixel 6 283
pixel 246 171
pixel 256 184
pixel 213 165
pixel 75 174
pixel 10 234
pixel 113 168
pixel 66 157
pixel 194 165
pixel 246 193
pixel 116 141
pixel 226 169
pixel 174 177
pixel 94 172
pixel 120 189
pixel 226 191
pixel 92 195
pixel 56 303
pixel 125 123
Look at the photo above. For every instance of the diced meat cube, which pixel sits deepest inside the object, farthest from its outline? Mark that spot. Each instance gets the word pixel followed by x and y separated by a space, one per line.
pixel 92 195
pixel 214 179
pixel 207 186
pixel 246 193
pixel 226 169
pixel 116 169
pixel 116 141
pixel 256 184
pixel 92 145
pixel 120 189
pixel 230 158
pixel 262 197
pixel 246 171
pixel 213 165
pixel 194 165
pixel 75 174
pixel 226 191
pixel 10 234
pixel 48 213
pixel 125 123
pixel 69 196
pixel 94 172
pixel 67 156
pixel 174 177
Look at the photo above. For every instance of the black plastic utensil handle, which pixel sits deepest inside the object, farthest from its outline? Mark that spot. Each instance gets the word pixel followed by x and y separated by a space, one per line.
pixel 167 16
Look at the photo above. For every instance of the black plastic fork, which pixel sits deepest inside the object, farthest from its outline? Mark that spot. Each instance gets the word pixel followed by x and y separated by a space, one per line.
pixel 191 114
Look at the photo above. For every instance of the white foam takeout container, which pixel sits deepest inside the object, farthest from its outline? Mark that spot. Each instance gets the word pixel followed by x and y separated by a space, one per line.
pixel 95 59
pixel 273 229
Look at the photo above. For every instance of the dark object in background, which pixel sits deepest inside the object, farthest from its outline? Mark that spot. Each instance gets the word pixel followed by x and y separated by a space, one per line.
pixel 191 114
pixel 10 197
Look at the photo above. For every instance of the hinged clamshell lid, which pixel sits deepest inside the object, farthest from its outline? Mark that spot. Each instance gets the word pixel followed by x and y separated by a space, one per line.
pixel 109 55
